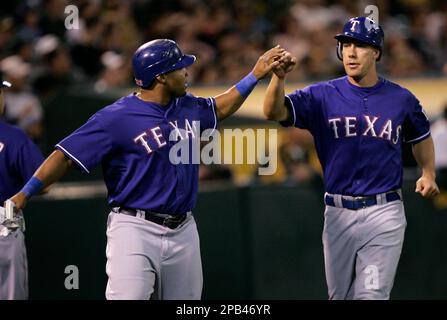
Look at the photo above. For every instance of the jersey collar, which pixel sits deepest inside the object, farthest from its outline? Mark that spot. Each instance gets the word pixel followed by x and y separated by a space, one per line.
pixel 364 91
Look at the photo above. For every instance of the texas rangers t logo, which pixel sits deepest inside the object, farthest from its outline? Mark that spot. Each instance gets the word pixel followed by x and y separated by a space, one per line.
pixel 354 23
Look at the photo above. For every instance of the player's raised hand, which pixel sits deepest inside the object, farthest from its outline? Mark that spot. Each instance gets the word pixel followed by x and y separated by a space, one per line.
pixel 427 187
pixel 269 60
pixel 286 64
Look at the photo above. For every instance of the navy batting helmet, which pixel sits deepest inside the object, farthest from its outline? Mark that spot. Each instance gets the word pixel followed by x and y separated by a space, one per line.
pixel 157 57
pixel 362 29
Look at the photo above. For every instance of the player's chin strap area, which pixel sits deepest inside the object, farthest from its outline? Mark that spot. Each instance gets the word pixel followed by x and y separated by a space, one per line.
pixel 166 220
pixel 356 203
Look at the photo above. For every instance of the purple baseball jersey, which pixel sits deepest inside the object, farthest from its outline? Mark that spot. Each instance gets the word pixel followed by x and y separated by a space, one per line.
pixel 358 132
pixel 131 140
pixel 19 159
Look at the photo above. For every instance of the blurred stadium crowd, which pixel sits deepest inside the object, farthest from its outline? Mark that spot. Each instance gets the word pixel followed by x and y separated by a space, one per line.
pixel 39 56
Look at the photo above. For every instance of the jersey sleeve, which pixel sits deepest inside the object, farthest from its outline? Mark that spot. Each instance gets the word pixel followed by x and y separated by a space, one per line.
pixel 299 104
pixel 207 114
pixel 416 126
pixel 29 159
pixel 88 145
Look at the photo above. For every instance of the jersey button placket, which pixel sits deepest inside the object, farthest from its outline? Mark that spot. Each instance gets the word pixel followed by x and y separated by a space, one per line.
pixel 364 110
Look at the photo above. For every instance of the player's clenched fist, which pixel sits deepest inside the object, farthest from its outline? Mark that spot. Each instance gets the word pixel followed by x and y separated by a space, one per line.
pixel 427 187
pixel 286 64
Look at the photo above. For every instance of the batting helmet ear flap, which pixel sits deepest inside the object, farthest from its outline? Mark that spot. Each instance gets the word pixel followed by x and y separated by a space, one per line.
pixel 339 49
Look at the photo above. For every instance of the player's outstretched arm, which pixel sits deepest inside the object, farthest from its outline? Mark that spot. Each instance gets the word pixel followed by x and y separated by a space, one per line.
pixel 229 102
pixel 274 107
pixel 51 170
pixel 424 153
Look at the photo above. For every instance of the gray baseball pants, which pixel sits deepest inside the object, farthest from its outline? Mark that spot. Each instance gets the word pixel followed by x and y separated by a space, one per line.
pixel 13 267
pixel 149 261
pixel 362 250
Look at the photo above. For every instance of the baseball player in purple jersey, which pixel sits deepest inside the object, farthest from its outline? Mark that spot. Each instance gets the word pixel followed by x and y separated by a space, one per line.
pixel 358 123
pixel 152 240
pixel 19 159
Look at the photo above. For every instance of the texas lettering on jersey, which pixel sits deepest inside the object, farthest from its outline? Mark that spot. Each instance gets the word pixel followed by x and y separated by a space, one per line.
pixel 348 127
pixel 190 130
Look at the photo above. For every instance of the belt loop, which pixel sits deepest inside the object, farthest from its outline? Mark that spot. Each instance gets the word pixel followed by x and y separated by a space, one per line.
pixel 141 214
pixel 338 200
pixel 381 198
pixel 399 192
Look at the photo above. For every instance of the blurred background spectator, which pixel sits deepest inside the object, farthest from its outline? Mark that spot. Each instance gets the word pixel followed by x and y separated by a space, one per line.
pixel 55 70
pixel 22 107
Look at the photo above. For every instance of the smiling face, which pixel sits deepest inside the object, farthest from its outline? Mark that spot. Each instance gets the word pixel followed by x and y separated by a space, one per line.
pixel 359 59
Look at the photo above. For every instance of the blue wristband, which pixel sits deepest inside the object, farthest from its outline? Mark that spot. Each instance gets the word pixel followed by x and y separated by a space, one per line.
pixel 32 187
pixel 246 85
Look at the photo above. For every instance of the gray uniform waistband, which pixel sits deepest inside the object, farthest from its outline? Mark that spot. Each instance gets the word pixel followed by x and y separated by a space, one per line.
pixel 340 201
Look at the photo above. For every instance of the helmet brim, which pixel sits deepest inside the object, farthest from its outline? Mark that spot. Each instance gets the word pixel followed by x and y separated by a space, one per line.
pixel 184 62
pixel 346 37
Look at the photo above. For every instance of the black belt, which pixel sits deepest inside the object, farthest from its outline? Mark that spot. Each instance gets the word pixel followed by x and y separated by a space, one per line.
pixel 170 221
pixel 361 202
